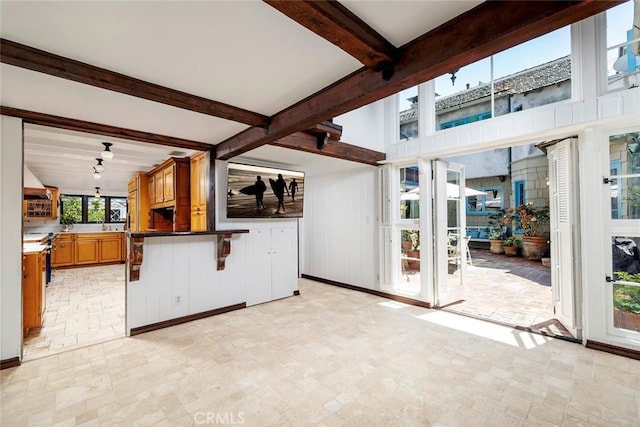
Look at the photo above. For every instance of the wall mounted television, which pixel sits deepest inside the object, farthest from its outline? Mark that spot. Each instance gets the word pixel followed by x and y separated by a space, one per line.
pixel 263 192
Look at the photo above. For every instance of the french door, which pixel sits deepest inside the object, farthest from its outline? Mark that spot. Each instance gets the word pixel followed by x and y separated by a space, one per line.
pixel 622 235
pixel 564 227
pixel 449 219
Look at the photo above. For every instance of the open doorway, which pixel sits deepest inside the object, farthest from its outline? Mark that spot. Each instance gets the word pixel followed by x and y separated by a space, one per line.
pixel 75 215
pixel 511 274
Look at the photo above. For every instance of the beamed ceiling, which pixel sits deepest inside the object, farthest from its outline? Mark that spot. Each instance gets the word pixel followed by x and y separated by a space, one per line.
pixel 252 79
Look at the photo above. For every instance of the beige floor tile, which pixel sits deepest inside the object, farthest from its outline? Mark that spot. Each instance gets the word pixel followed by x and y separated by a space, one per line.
pixel 328 357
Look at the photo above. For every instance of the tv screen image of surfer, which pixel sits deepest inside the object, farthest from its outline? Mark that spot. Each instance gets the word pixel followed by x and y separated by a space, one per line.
pixel 263 192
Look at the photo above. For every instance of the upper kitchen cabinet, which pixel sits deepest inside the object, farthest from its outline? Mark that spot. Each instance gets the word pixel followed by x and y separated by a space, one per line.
pixel 138 202
pixel 199 186
pixel 40 204
pixel 169 195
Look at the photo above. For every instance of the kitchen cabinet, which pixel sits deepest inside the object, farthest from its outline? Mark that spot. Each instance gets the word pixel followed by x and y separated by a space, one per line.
pixel 78 249
pixel 63 250
pixel 86 249
pixel 199 186
pixel 33 290
pixel 273 264
pixel 42 208
pixel 138 203
pixel 169 182
pixel 170 206
pixel 110 248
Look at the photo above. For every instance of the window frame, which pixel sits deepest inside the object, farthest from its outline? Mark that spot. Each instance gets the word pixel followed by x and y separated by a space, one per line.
pixel 484 210
pixel 84 204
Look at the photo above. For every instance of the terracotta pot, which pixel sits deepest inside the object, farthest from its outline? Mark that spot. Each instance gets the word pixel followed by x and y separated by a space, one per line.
pixel 534 247
pixel 626 320
pixel 510 250
pixel 496 246
pixel 413 260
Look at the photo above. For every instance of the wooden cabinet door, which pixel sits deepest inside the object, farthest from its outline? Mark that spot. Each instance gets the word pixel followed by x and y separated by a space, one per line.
pixel 132 203
pixel 159 186
pixel 168 184
pixel 152 190
pixel 199 192
pixel 62 252
pixel 31 292
pixel 110 249
pixel 87 251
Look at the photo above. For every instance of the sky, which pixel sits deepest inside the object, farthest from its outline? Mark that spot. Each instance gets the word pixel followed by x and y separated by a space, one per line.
pixel 527 55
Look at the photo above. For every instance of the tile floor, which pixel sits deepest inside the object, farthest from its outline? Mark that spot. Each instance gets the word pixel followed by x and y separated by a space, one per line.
pixel 84 306
pixel 329 357
pixel 509 290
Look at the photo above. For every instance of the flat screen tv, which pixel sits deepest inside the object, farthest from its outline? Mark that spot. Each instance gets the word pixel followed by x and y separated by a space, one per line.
pixel 263 192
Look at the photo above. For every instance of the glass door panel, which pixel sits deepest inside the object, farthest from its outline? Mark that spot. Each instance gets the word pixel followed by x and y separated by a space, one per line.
pixel 450 224
pixel 623 281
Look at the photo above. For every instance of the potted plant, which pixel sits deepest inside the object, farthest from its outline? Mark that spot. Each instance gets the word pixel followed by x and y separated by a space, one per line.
pixel 495 241
pixel 626 302
pixel 510 246
pixel 67 220
pixel 496 230
pixel 530 219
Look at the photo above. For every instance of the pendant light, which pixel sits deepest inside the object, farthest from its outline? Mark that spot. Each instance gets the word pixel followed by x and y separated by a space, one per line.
pixel 107 154
pixel 97 194
pixel 96 174
pixel 99 167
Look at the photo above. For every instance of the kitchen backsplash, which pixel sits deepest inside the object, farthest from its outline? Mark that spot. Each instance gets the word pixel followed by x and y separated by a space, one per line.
pixel 47 226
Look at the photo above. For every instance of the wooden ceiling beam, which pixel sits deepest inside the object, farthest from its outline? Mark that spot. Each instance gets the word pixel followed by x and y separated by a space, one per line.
pixel 487 29
pixel 41 61
pixel 327 127
pixel 104 130
pixel 303 141
pixel 338 25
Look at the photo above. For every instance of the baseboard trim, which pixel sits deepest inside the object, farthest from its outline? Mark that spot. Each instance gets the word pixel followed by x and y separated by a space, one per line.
pixel 9 363
pixel 614 349
pixel 179 320
pixel 393 297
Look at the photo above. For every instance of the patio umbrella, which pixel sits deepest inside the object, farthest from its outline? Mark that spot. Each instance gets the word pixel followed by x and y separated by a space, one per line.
pixel 452 191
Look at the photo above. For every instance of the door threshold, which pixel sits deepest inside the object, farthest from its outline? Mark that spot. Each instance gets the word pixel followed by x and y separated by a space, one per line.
pixel 537 329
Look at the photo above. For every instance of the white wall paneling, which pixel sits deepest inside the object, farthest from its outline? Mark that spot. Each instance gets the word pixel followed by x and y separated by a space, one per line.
pixel 10 237
pixel 179 277
pixel 340 226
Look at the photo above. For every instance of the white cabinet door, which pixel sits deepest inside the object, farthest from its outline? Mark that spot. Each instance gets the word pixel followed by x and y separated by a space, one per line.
pixel 259 267
pixel 283 262
pixel 273 266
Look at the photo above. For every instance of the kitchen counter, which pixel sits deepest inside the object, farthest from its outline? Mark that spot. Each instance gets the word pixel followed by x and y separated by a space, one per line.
pixel 35 237
pixel 32 248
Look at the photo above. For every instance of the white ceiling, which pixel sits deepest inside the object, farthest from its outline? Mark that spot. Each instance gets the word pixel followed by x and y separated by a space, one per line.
pixel 243 53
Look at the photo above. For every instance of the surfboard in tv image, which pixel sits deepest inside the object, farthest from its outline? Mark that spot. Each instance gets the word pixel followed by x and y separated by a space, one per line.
pixel 263 192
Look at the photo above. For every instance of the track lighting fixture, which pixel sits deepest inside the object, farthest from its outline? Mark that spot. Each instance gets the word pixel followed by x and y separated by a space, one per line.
pixel 107 154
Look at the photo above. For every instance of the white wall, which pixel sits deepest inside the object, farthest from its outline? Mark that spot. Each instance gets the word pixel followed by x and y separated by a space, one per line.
pixel 10 237
pixel 536 125
pixel 340 226
pixel 486 163
pixel 365 126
